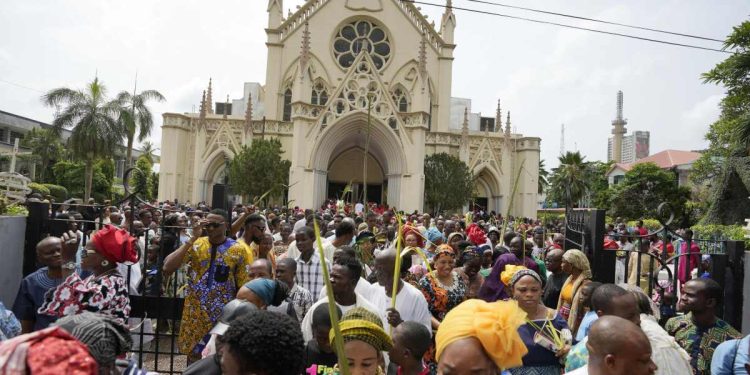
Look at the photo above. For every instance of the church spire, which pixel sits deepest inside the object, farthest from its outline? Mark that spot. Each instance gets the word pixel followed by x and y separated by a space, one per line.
pixel 498 118
pixel 463 148
pixel 304 55
pixel 275 13
pixel 209 99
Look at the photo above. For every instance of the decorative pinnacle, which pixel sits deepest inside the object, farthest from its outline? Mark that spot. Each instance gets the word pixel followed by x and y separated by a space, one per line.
pixel 249 112
pixel 466 119
pixel 507 125
pixel 423 59
pixel 209 99
pixel 226 107
pixel 202 113
pixel 498 118
pixel 305 52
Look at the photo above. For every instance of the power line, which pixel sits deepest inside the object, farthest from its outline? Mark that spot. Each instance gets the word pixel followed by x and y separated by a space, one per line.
pixel 571 26
pixel 21 86
pixel 596 20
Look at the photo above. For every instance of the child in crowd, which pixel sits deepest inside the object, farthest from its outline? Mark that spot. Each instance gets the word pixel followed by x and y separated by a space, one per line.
pixel 318 351
pixel 410 342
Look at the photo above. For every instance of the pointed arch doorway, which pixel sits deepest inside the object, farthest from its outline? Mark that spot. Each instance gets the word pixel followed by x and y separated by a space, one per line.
pixel 348 166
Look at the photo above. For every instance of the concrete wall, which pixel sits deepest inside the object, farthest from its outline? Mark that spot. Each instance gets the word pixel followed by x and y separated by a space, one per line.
pixel 12 229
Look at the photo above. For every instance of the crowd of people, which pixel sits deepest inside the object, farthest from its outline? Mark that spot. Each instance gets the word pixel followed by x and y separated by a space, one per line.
pixel 474 294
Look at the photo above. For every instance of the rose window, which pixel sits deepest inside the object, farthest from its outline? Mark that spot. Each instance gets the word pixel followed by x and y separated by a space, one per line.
pixel 358 36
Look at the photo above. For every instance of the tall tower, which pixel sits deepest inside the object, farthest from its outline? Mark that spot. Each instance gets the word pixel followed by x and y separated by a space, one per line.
pixel 618 130
pixel 562 139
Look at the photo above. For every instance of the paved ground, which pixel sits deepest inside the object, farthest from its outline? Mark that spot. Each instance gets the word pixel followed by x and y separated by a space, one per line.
pixel 177 364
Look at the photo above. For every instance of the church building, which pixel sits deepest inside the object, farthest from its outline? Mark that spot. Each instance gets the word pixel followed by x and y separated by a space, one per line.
pixel 342 77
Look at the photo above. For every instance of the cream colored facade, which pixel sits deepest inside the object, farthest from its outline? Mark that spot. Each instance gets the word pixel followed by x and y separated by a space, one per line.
pixel 328 63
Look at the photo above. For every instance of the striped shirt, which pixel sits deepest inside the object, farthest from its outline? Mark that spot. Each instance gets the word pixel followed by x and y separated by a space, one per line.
pixel 310 274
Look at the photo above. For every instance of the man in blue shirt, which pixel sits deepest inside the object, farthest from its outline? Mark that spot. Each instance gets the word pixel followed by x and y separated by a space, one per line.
pixel 732 358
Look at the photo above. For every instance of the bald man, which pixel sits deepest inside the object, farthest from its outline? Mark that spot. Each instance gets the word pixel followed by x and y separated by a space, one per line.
pixel 34 286
pixel 617 347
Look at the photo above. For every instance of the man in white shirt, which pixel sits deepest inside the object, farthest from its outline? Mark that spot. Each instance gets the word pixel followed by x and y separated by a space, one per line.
pixel 344 276
pixel 617 347
pixel 410 302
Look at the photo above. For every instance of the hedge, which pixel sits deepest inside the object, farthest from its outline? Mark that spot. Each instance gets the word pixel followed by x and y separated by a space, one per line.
pixel 60 193
pixel 721 232
pixel 39 188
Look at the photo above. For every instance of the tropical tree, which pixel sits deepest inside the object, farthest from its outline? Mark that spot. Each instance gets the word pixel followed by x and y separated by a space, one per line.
pixel 643 188
pixel 724 164
pixel 448 182
pixel 140 181
pixel 568 181
pixel 543 182
pixel 135 116
pixel 93 120
pixel 147 151
pixel 45 145
pixel 259 170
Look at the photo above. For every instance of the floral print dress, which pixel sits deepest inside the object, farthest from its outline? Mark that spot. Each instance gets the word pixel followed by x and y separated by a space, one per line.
pixel 440 300
pixel 103 294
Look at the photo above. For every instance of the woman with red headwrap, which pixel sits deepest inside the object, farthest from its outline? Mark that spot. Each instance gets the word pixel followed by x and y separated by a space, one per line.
pixel 106 290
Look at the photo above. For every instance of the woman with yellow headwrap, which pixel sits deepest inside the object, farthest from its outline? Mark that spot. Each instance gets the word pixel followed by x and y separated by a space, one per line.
pixel 577 266
pixel 443 289
pixel 479 337
pixel 364 341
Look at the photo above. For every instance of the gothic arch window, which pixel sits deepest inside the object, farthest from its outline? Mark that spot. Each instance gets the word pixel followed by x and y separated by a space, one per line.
pixel 401 98
pixel 360 35
pixel 319 94
pixel 287 116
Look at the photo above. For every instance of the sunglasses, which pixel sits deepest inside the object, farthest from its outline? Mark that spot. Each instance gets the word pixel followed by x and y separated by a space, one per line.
pixel 212 225
pixel 87 253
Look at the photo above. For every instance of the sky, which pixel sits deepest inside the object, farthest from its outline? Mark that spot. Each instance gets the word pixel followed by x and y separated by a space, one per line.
pixel 544 74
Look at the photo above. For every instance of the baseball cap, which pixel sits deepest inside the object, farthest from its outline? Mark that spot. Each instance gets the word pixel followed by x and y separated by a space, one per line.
pixel 236 308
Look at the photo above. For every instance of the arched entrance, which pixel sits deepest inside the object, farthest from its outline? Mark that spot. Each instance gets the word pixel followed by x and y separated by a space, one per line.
pixel 487 189
pixel 338 158
pixel 348 167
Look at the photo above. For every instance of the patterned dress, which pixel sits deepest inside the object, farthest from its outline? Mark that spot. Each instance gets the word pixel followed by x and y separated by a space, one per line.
pixel 440 300
pixel 541 360
pixel 211 284
pixel 700 342
pixel 104 294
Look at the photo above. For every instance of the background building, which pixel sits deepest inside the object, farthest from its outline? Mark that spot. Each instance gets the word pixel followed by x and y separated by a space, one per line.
pixel 326 62
pixel 634 146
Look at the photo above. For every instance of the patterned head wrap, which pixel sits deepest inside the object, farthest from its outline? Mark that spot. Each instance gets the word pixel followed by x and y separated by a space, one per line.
pixel 524 272
pixel 578 259
pixel 444 250
pixel 507 274
pixel 363 325
pixel 494 324
pixel 48 351
pixel 115 244
pixel 408 229
pixel 433 235
pixel 104 336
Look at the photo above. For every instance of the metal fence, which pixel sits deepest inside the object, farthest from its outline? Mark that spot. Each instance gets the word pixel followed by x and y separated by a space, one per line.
pixel 156 308
pixel 649 264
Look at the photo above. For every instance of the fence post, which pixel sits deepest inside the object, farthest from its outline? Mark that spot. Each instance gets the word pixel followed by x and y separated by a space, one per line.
pixel 602 261
pixel 36 227
pixel 735 287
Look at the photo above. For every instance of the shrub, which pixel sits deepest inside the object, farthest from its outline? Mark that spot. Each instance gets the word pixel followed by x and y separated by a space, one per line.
pixel 650 224
pixel 39 188
pixel 721 232
pixel 60 193
pixel 14 209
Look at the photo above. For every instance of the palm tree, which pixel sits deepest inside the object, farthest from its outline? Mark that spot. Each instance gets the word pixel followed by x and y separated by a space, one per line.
pixel 543 180
pixel 569 177
pixel 147 151
pixel 45 145
pixel 93 120
pixel 136 116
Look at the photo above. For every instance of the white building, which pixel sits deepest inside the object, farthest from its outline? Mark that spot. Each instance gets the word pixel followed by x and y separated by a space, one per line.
pixel 326 62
